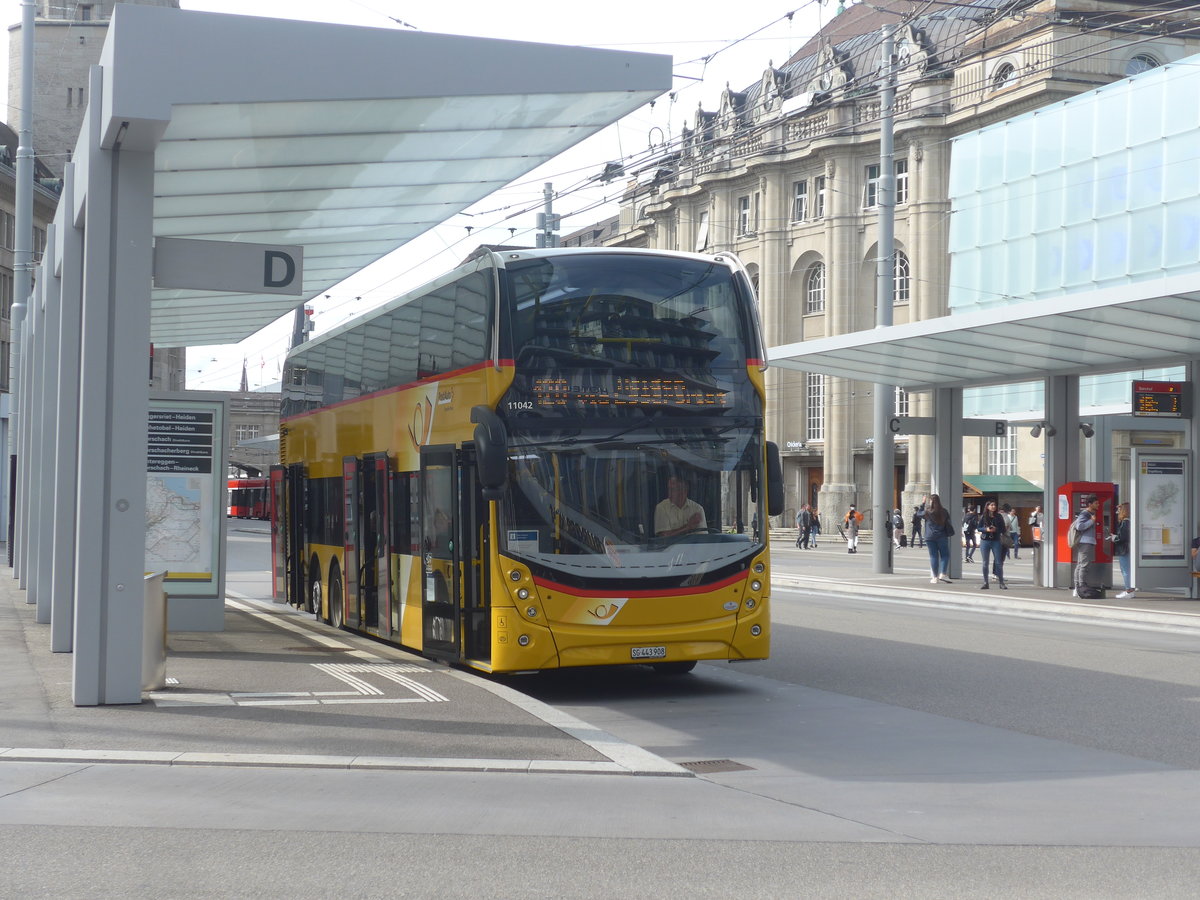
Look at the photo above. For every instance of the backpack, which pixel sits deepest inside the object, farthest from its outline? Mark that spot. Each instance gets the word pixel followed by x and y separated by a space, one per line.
pixel 1072 535
pixel 1087 592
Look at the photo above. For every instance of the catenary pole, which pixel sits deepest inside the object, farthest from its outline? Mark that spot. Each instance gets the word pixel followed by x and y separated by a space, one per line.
pixel 22 273
pixel 883 449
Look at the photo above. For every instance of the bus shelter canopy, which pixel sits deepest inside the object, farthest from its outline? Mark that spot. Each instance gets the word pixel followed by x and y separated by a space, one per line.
pixel 1130 326
pixel 348 141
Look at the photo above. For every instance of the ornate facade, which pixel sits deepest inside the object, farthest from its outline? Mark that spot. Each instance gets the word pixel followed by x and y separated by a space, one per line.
pixel 786 173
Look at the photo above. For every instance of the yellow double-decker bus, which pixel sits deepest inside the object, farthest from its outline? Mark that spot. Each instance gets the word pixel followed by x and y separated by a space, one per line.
pixel 546 458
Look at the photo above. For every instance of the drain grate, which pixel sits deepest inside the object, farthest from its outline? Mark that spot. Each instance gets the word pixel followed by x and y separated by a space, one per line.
pixel 704 766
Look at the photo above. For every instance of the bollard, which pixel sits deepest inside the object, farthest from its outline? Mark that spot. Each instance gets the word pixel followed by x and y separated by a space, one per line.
pixel 154 634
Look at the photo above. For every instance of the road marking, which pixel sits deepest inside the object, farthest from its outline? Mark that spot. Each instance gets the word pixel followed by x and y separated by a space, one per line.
pixel 364 691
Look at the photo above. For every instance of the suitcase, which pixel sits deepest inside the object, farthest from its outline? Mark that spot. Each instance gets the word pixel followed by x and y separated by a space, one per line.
pixel 904 540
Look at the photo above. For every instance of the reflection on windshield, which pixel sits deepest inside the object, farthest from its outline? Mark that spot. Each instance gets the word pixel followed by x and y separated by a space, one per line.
pixel 674 502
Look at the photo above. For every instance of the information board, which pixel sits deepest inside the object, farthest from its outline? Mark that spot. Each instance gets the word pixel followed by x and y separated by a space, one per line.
pixel 185 494
pixel 1160 508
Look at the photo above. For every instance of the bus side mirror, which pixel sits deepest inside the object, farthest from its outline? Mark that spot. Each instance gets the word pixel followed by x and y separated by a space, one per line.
pixel 774 480
pixel 491 452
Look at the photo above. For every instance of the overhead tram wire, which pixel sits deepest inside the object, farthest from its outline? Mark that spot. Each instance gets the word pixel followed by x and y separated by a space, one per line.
pixel 519 209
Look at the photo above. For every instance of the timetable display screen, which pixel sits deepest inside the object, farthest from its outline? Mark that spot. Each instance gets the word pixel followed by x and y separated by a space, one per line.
pixel 1161 399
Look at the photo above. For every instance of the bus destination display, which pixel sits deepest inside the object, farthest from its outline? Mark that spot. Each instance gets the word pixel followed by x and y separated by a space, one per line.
pixel 1162 399
pixel 628 391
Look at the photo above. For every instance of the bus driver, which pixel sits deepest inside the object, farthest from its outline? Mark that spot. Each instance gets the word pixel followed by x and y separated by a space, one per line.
pixel 677 514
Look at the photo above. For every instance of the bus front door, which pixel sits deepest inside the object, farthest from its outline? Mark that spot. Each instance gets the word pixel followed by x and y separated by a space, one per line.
pixel 473 544
pixel 440 609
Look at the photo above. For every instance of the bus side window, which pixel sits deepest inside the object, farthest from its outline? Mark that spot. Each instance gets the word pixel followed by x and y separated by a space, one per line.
pixel 401 512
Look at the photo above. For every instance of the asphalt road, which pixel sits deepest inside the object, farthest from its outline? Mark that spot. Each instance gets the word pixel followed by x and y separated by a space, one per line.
pixel 885 750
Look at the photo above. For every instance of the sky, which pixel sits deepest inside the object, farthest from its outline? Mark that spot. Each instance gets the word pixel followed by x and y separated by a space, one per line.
pixel 738 44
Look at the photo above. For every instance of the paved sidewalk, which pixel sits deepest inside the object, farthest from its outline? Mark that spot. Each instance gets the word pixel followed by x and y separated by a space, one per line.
pixel 830 569
pixel 277 689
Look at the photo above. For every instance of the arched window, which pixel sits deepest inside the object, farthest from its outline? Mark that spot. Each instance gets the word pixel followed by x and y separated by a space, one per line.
pixel 815 289
pixel 1003 75
pixel 902 280
pixel 1143 62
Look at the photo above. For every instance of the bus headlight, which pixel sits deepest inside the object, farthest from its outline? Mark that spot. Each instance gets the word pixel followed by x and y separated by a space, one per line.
pixel 756 585
pixel 523 594
pixel 759 568
pixel 751 603
pixel 531 612
pixel 514 575
pixel 755 630
pixel 523 640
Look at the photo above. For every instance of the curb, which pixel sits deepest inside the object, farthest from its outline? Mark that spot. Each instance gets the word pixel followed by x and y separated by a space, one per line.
pixel 1117 616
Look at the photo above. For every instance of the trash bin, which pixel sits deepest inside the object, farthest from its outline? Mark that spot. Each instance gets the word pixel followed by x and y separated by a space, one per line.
pixel 154 634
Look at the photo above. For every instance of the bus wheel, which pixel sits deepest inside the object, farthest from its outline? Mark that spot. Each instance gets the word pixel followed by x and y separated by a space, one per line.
pixel 314 598
pixel 337 616
pixel 674 668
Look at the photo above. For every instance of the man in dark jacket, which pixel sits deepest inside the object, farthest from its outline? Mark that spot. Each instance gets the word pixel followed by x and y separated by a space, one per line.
pixel 918 526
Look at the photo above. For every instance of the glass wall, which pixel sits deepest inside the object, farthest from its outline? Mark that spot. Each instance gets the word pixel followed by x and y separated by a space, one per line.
pixel 1099 190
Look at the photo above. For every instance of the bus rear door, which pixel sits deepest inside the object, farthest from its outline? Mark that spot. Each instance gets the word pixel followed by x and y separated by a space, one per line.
pixel 351 503
pixel 374 568
pixel 287 516
pixel 440 589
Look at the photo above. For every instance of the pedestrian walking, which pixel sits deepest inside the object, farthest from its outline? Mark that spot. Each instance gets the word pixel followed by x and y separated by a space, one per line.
pixel 803 526
pixel 852 520
pixel 970 534
pixel 991 526
pixel 918 526
pixel 1120 549
pixel 815 531
pixel 897 529
pixel 1009 545
pixel 938 531
pixel 1087 526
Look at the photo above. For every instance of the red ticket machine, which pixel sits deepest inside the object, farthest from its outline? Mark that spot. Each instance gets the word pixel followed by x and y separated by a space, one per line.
pixel 1068 502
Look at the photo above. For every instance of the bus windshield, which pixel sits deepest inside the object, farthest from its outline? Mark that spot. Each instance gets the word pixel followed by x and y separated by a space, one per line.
pixel 626 319
pixel 676 503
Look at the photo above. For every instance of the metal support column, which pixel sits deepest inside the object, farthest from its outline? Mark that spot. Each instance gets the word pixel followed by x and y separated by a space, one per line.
pixel 947 463
pixel 66 448
pixel 1061 433
pixel 114 403
pixel 43 413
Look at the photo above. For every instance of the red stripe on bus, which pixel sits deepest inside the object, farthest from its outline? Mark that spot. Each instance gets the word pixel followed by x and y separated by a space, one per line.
pixel 403 387
pixel 668 592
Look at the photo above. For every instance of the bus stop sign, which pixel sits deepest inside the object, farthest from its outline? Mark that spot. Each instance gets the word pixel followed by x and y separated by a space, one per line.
pixel 228 266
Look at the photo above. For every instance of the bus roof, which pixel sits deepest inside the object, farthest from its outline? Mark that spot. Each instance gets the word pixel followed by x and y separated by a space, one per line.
pixel 489 259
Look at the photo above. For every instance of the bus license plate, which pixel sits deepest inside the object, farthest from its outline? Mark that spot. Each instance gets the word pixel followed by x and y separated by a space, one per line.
pixel 648 652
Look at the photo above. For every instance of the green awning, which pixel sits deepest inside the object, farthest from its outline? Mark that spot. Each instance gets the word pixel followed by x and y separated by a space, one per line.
pixel 987 485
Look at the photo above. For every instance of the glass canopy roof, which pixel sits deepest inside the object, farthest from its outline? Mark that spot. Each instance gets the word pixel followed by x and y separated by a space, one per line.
pixel 350 182
pixel 347 141
pixel 1146 324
